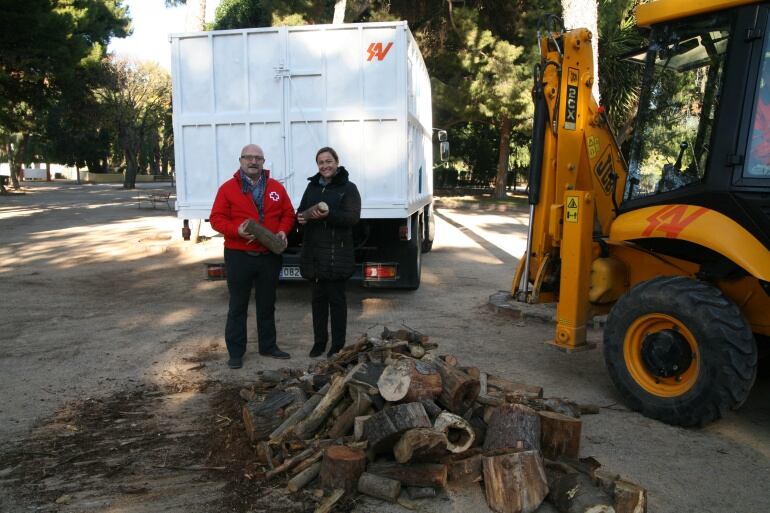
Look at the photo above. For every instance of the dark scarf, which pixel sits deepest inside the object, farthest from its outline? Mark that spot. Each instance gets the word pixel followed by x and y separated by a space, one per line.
pixel 256 188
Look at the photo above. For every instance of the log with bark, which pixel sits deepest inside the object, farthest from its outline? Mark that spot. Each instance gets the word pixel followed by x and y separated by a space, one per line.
pixel 384 428
pixel 627 497
pixel 307 407
pixel 409 380
pixel 513 426
pixel 512 387
pixel 265 237
pixel 327 505
pixel 576 493
pixel 341 467
pixel 458 391
pixel 414 474
pixel 313 421
pixel 360 405
pixel 301 479
pixel 420 444
pixel 515 482
pixel 459 433
pixel 379 487
pixel 321 208
pixel 559 435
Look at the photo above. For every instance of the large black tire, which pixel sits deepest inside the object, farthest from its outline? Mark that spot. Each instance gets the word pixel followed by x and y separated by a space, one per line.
pixel 696 316
pixel 429 229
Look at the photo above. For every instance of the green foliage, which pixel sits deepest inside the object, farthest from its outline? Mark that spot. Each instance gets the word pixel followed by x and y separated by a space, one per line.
pixel 232 14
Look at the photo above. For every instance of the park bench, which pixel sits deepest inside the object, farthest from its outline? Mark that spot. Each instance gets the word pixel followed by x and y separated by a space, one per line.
pixel 154 197
pixel 163 178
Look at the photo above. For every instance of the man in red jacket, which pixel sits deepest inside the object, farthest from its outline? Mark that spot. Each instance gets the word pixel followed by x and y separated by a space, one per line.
pixel 251 194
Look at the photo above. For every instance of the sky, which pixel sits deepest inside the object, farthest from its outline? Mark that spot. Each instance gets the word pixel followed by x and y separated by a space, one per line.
pixel 152 23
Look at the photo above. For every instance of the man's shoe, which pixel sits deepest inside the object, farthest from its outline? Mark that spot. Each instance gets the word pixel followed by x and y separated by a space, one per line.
pixel 317 351
pixel 333 352
pixel 278 354
pixel 235 363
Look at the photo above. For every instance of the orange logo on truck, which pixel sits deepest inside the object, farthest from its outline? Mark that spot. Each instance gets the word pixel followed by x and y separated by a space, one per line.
pixel 376 50
pixel 671 220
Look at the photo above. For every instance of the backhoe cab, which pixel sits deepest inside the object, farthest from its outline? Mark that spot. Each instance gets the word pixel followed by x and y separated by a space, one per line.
pixel 674 243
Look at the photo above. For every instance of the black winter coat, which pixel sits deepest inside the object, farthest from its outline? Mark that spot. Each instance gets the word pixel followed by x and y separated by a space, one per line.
pixel 327 244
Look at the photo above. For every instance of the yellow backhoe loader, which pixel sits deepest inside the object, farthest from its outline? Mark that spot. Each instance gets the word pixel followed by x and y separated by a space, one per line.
pixel 674 242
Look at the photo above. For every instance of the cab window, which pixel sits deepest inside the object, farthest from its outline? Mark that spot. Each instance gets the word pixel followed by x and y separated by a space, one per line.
pixel 758 154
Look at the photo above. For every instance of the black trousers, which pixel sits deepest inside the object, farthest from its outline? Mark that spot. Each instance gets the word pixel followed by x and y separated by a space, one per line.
pixel 329 296
pixel 244 273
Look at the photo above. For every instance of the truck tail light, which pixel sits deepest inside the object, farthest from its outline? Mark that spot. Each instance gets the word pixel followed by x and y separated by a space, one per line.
pixel 376 272
pixel 216 271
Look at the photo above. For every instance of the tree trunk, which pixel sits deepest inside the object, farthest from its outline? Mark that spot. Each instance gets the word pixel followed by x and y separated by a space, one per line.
pixel 47 171
pixel 502 161
pixel 341 468
pixel 515 482
pixel 339 12
pixel 132 167
pixel 195 17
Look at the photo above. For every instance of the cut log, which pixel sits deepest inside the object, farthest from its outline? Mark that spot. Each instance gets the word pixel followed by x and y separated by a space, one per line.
pixel 299 481
pixel 265 237
pixel 576 493
pixel 432 409
pixel 458 391
pixel 321 208
pixel 513 387
pixel 421 492
pixel 514 482
pixel 513 426
pixel 416 350
pixel 260 419
pixel 379 487
pixel 469 470
pixel 307 407
pixel 358 427
pixel 265 454
pixel 384 428
pixel 360 405
pixel 313 421
pixel 627 497
pixel 559 435
pixel 458 431
pixel 369 373
pixel 421 444
pixel 409 380
pixel 316 457
pixel 328 503
pixel 341 467
pixel 415 474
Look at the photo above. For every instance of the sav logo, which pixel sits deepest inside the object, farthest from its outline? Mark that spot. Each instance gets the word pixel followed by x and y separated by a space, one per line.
pixel 672 219
pixel 376 50
pixel 274 196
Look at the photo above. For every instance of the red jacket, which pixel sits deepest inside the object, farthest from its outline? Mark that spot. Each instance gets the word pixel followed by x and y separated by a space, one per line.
pixel 232 207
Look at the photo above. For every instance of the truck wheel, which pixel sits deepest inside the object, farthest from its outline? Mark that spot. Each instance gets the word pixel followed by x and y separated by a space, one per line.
pixel 429 224
pixel 679 351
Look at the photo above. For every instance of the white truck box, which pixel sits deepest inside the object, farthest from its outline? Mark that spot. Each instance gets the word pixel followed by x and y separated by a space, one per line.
pixel 362 89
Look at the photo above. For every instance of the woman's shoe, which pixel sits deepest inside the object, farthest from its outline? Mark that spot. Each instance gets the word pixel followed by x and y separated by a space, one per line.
pixel 317 351
pixel 333 351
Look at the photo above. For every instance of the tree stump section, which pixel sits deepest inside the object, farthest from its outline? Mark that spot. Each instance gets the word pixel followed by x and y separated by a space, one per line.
pixel 459 391
pixel 560 435
pixel 384 428
pixel 420 444
pixel 416 474
pixel 409 380
pixel 459 433
pixel 341 467
pixel 379 487
pixel 515 482
pixel 513 426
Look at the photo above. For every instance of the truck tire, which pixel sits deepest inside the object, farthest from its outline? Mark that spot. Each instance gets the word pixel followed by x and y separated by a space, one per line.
pixel 678 350
pixel 429 224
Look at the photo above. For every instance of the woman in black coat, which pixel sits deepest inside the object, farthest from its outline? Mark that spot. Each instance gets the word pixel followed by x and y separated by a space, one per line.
pixel 327 247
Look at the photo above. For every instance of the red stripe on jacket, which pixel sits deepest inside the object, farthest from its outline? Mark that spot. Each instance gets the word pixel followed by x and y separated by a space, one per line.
pixel 232 207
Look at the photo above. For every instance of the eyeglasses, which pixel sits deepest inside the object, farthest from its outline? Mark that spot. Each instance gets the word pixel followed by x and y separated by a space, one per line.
pixel 258 158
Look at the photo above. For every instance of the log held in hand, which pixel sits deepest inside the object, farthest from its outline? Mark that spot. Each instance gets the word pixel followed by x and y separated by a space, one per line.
pixel 265 237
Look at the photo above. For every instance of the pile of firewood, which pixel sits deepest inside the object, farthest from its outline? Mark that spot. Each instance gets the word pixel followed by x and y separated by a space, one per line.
pixel 387 416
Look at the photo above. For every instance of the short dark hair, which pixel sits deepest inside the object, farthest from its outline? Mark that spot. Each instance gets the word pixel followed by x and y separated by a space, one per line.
pixel 328 149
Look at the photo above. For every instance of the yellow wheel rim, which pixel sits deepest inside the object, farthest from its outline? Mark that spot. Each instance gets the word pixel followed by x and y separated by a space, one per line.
pixel 632 352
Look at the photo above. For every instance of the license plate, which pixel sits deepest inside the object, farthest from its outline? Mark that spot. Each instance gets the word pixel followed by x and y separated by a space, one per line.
pixel 290 272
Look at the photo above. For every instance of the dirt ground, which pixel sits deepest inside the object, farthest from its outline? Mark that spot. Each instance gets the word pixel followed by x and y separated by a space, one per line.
pixel 116 397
